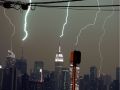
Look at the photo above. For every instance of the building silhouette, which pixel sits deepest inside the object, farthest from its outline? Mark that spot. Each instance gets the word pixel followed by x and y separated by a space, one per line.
pixel 118 73
pixel 93 73
pixel 38 70
pixel 21 69
pixel 9 75
pixel 14 76
pixel 21 65
pixel 58 70
pixel 65 79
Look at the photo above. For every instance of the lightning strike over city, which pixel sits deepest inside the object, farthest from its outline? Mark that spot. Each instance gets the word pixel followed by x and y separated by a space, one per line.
pixel 25 22
pixel 66 20
pixel 93 63
pixel 65 23
pixel 88 25
pixel 13 32
pixel 101 40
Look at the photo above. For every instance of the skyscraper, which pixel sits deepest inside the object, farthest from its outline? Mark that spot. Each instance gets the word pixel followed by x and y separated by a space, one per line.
pixel 21 65
pixel 118 73
pixel 93 73
pixel 9 73
pixel 38 70
pixel 58 70
pixel 93 78
pixel 65 79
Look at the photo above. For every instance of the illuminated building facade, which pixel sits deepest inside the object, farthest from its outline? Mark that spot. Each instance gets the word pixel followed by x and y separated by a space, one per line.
pixel 58 70
pixel 77 77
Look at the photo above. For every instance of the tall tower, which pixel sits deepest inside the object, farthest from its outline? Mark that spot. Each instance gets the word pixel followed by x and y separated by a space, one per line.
pixel 77 77
pixel 65 79
pixel 75 59
pixel 9 73
pixel 58 69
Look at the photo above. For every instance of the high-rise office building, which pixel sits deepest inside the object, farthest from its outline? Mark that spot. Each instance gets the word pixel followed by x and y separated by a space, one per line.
pixel 58 70
pixel 9 72
pixel 65 79
pixel 93 73
pixel 38 65
pixel 118 73
pixel 21 65
pixel 38 70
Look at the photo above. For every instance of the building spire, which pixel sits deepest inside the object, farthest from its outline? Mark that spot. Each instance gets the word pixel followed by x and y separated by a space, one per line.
pixel 59 55
pixel 59 48
pixel 60 45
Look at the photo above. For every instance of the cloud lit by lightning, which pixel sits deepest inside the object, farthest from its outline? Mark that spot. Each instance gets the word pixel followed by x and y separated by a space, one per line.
pixel 91 24
pixel 101 39
pixel 25 22
pixel 66 20
pixel 13 33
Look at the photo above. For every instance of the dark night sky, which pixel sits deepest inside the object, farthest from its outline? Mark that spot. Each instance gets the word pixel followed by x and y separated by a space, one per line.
pixel 44 27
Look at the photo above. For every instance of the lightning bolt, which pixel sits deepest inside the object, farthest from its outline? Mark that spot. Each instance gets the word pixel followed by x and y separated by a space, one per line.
pixel 65 23
pixel 66 20
pixel 91 24
pixel 101 39
pixel 13 33
pixel 63 28
pixel 25 22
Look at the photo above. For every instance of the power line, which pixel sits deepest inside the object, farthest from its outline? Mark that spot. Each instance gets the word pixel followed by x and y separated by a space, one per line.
pixel 79 6
pixel 51 2
pixel 23 5
pixel 82 9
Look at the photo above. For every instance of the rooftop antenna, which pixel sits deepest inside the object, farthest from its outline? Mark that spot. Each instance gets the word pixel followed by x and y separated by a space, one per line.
pixel 60 45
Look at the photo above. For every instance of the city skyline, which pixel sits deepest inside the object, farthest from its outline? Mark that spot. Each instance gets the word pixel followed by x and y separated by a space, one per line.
pixel 43 39
pixel 15 77
pixel 24 69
